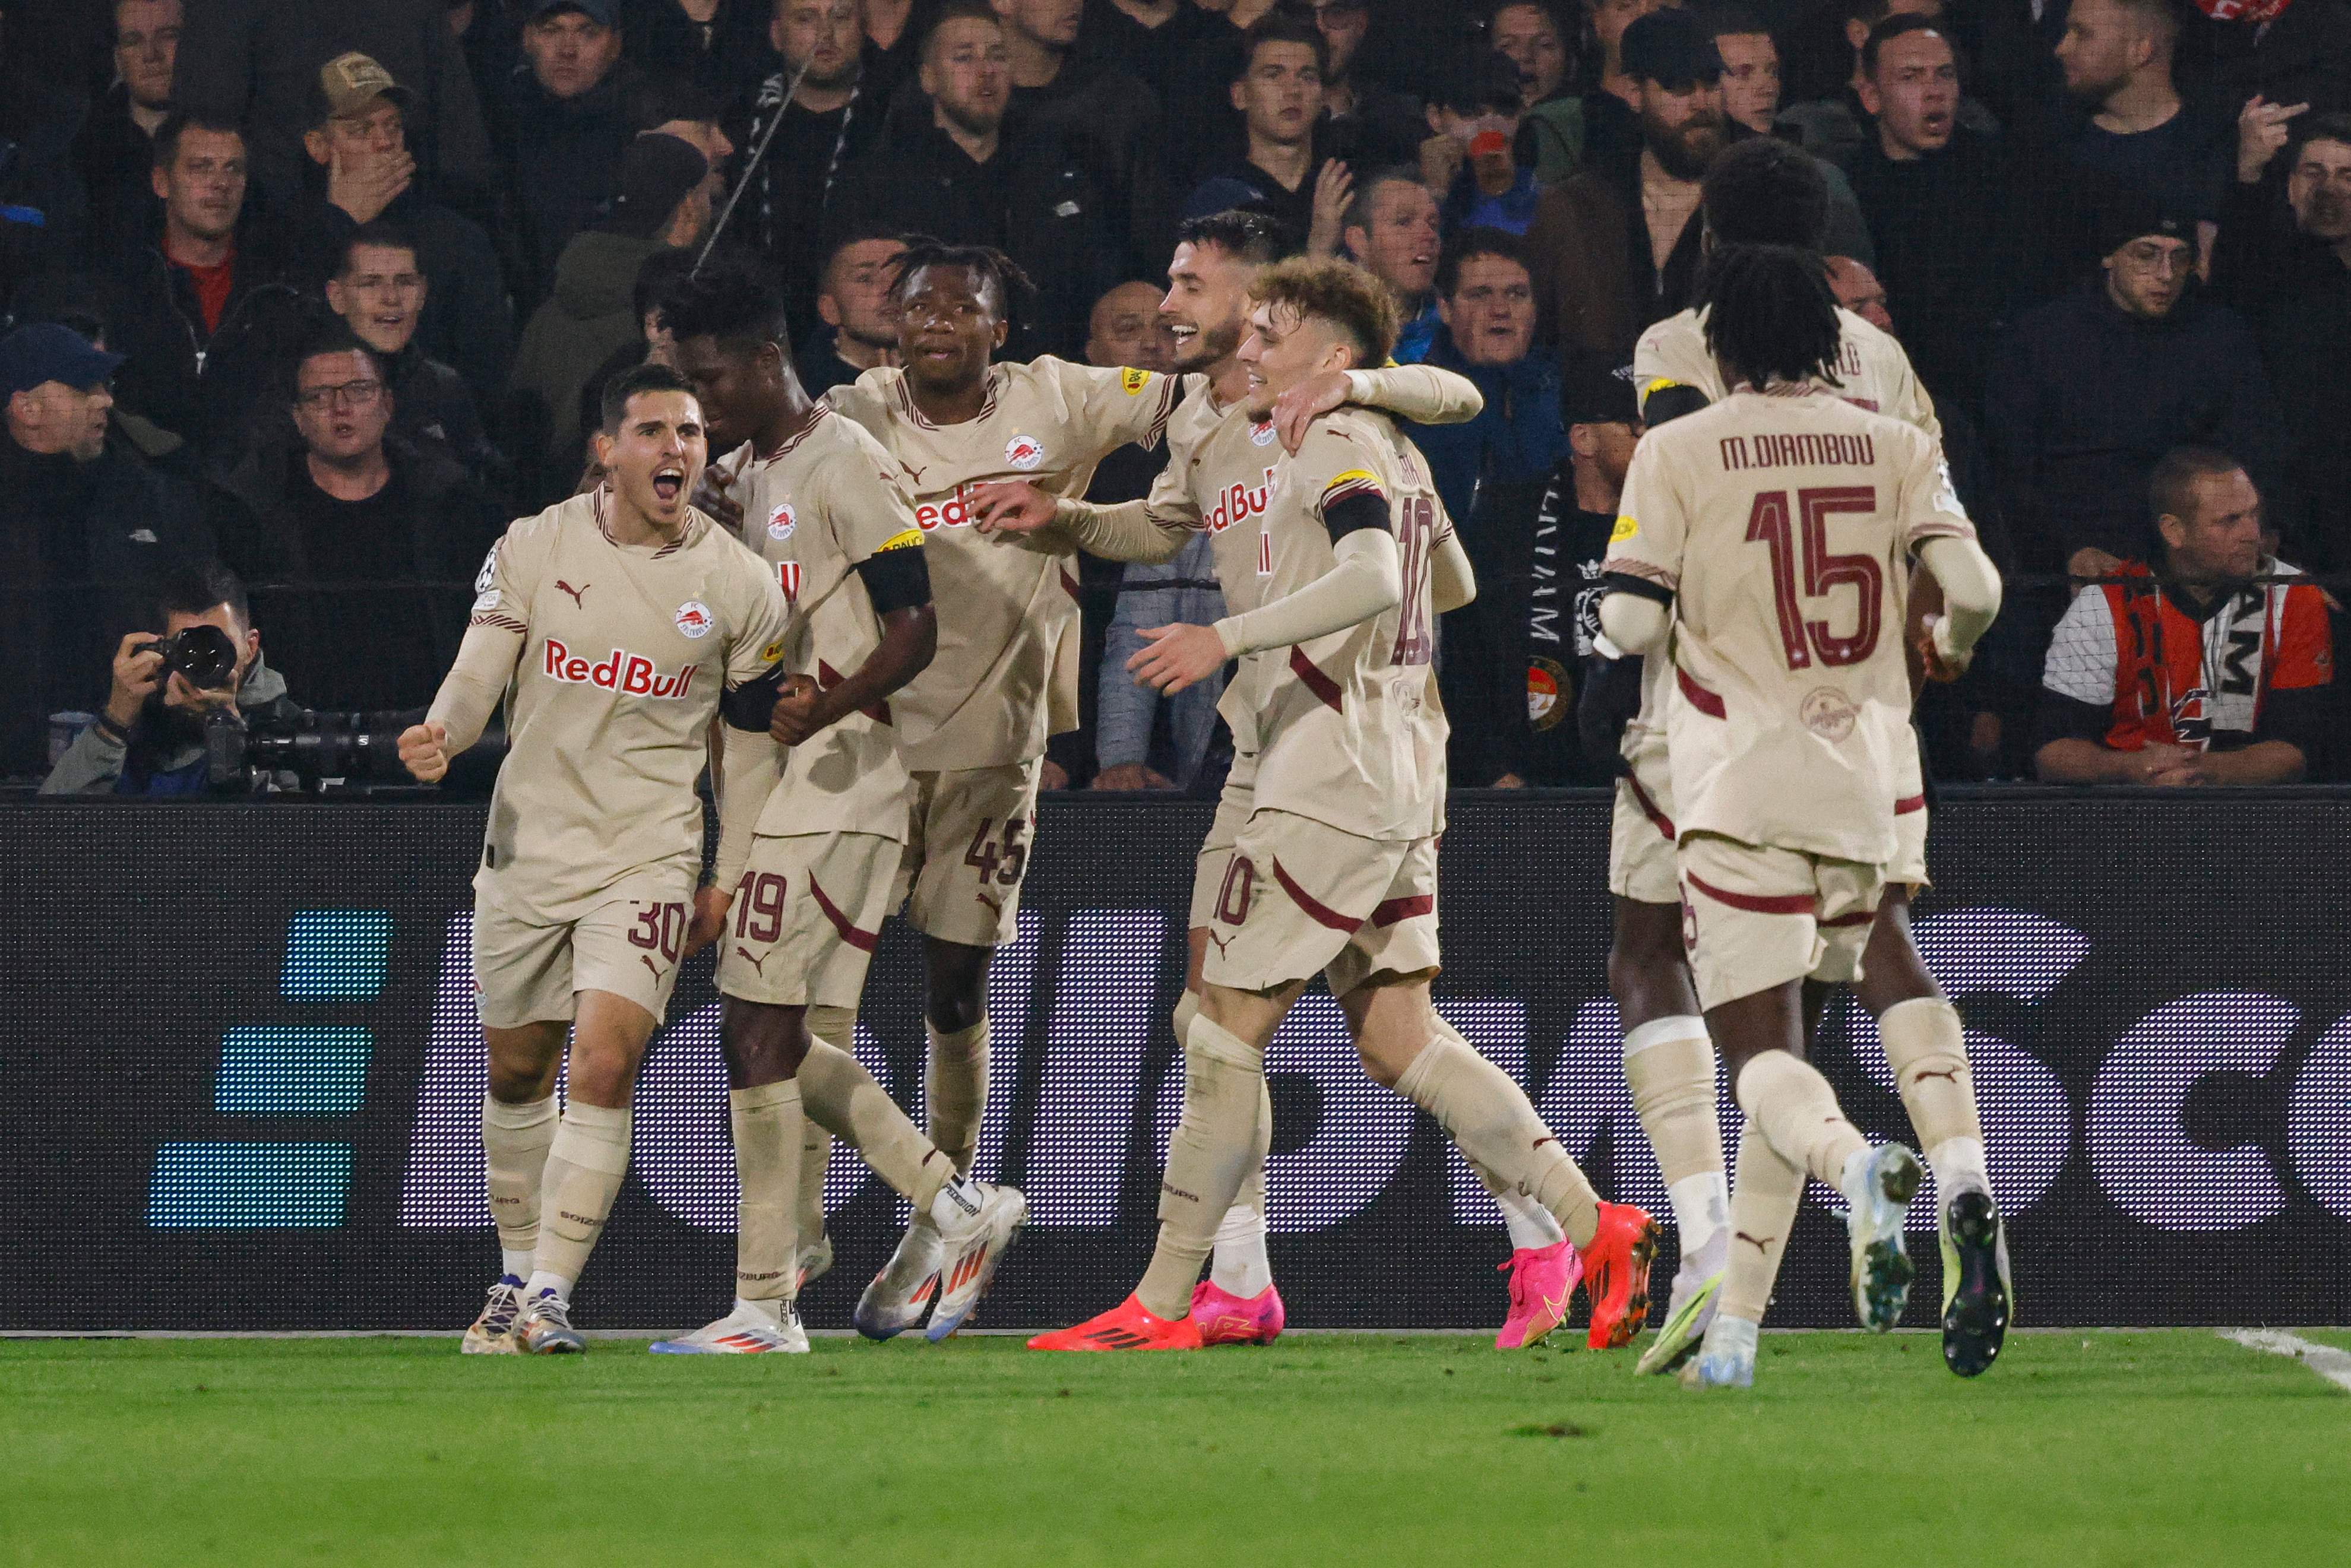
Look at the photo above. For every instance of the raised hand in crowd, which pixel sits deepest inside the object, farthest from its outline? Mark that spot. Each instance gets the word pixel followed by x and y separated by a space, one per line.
pixel 2261 130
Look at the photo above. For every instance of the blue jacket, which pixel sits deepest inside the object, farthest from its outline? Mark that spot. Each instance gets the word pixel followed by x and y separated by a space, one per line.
pixel 1517 437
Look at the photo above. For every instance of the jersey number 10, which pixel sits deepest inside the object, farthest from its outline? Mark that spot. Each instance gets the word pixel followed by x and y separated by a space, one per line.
pixel 1805 640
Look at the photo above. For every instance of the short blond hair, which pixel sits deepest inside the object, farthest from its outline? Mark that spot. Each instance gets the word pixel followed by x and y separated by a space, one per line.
pixel 1338 293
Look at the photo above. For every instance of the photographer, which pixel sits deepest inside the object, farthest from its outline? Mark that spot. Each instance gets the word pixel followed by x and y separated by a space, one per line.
pixel 150 740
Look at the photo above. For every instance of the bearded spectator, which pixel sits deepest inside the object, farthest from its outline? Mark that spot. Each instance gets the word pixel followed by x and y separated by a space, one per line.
pixel 954 163
pixel 1617 246
pixel 831 120
pixel 116 149
pixel 859 323
pixel 2283 260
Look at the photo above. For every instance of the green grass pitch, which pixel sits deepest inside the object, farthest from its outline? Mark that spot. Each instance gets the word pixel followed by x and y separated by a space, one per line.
pixel 2084 1449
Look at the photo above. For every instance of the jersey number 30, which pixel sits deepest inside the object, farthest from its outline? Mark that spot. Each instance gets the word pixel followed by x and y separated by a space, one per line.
pixel 1809 573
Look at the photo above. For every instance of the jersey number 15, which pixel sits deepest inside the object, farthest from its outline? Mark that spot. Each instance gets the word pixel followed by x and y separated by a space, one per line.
pixel 1809 573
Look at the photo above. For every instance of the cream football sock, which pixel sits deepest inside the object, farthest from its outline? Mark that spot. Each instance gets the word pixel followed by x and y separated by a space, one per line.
pixel 1669 1065
pixel 1763 1203
pixel 1492 1121
pixel 515 1140
pixel 1214 1150
pixel 584 1167
pixel 766 1121
pixel 1927 1050
pixel 955 1088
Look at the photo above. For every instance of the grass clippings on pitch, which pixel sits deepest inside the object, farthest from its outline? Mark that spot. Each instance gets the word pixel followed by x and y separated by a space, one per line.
pixel 2083 1449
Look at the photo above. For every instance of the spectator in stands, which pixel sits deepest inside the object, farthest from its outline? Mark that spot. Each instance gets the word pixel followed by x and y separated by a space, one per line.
pixel 1952 236
pixel 1857 290
pixel 1511 658
pixel 2116 58
pixel 1612 103
pixel 2073 447
pixel 1617 246
pixel 860 327
pixel 1100 107
pixel 380 290
pixel 1838 127
pixel 1277 91
pixel 1551 135
pixel 252 63
pixel 85 525
pixel 116 149
pixel 149 738
pixel 664 205
pixel 1750 103
pixel 1486 300
pixel 2285 261
pixel 566 123
pixel 1390 230
pixel 1364 125
pixel 1471 161
pixel 2210 670
pixel 200 318
pixel 360 171
pixel 719 46
pixel 350 524
pixel 1126 328
pixel 790 211
pixel 955 165
pixel 1145 740
pixel 2286 53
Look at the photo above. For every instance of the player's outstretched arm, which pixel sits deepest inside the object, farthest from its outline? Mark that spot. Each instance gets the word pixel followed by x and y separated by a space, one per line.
pixel 1366 578
pixel 1452 581
pixel 1422 394
pixel 469 693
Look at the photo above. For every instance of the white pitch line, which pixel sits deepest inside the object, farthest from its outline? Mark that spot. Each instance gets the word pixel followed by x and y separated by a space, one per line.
pixel 2335 1366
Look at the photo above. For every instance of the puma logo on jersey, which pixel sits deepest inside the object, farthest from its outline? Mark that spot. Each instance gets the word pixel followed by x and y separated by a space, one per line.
pixel 994 906
pixel 757 960
pixel 913 473
pixel 630 674
pixel 649 964
pixel 578 594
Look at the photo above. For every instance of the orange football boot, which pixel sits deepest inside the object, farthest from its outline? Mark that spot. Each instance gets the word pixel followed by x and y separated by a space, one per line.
pixel 1130 1325
pixel 1616 1275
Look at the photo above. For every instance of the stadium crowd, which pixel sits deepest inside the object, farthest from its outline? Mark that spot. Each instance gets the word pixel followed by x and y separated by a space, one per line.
pixel 308 299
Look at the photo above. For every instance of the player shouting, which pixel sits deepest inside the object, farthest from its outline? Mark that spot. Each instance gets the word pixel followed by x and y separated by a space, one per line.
pixel 1771 533
pixel 1221 465
pixel 807 888
pixel 1334 869
pixel 1767 192
pixel 616 624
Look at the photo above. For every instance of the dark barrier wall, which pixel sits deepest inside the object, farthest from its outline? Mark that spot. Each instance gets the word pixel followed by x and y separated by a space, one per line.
pixel 242 1072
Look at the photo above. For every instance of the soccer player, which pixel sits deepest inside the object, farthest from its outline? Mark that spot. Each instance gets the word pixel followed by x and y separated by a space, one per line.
pixel 1764 542
pixel 971 728
pixel 1766 193
pixel 808 889
pixel 1221 465
pixel 616 624
pixel 1334 869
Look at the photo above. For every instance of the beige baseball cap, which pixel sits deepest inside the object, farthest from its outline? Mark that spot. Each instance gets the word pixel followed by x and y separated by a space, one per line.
pixel 349 84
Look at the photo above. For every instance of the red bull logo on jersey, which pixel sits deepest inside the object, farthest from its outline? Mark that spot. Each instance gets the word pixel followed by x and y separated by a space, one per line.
pixel 782 521
pixel 1238 502
pixel 951 512
pixel 630 674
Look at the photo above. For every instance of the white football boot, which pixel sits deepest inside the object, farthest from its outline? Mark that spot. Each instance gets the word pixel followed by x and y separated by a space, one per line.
pixel 745 1330
pixel 1879 1184
pixel 1726 1357
pixel 493 1334
pixel 901 1293
pixel 972 1243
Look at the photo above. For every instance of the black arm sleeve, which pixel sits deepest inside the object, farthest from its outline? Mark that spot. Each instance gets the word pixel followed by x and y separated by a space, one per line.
pixel 1670 401
pixel 897 579
pixel 1639 587
pixel 750 706
pixel 1363 509
pixel 2298 715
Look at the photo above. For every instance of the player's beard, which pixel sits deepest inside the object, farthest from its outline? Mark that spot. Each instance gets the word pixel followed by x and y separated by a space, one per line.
pixel 1210 346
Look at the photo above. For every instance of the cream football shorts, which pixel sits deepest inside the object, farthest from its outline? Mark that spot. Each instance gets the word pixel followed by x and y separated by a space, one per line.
pixel 1300 897
pixel 806 917
pixel 1641 831
pixel 527 968
pixel 1216 856
pixel 1755 918
pixel 968 852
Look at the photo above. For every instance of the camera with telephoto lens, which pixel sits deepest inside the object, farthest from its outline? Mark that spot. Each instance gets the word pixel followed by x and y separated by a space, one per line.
pixel 203 655
pixel 302 751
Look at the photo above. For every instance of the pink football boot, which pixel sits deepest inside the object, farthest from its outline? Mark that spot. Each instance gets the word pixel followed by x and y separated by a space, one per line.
pixel 1227 1319
pixel 1542 1281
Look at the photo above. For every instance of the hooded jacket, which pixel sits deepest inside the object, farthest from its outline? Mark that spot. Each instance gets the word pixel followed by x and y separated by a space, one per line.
pixel 590 317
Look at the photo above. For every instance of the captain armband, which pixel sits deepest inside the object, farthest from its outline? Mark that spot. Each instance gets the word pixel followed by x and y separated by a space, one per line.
pixel 750 706
pixel 896 576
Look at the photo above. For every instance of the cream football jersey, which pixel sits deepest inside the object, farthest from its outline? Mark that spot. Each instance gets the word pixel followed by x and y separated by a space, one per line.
pixel 1872 372
pixel 624 651
pixel 828 500
pixel 1006 676
pixel 1783 526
